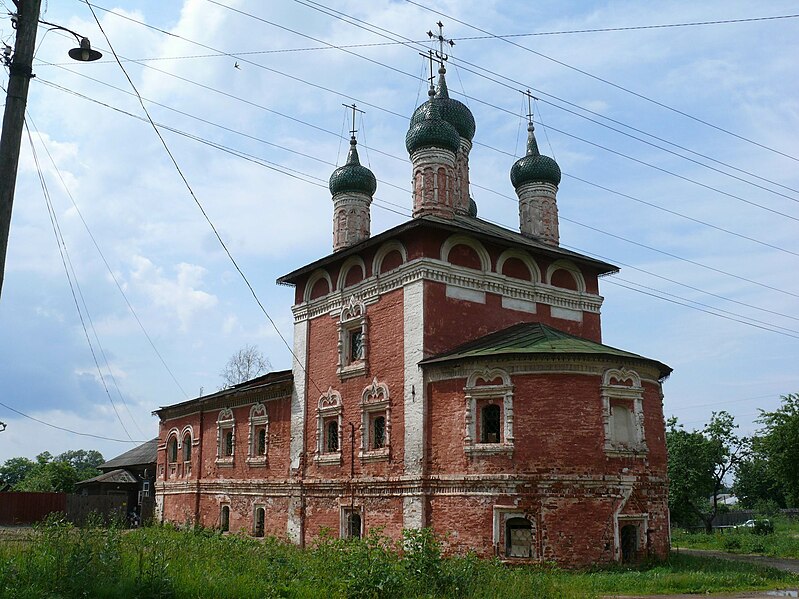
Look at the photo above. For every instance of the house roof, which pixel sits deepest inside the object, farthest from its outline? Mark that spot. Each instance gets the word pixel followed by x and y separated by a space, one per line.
pixel 118 476
pixel 146 453
pixel 478 227
pixel 534 338
pixel 269 379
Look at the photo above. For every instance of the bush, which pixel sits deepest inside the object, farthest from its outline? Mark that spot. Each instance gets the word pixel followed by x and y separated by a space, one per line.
pixel 763 527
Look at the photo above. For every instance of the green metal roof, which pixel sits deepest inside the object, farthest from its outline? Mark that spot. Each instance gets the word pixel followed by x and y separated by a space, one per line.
pixel 454 112
pixel 534 167
pixel 352 176
pixel 537 339
pixel 432 132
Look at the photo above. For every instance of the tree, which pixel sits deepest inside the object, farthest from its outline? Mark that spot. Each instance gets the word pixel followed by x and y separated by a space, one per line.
pixel 15 470
pixel 755 481
pixel 84 461
pixel 245 364
pixel 699 461
pixel 779 443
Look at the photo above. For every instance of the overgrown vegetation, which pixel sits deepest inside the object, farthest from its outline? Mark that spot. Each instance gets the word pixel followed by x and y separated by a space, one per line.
pixel 163 562
pixel 782 542
pixel 51 474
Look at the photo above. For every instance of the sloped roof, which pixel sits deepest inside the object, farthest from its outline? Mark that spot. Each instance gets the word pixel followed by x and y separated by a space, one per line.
pixel 119 476
pixel 535 338
pixel 146 453
pixel 478 227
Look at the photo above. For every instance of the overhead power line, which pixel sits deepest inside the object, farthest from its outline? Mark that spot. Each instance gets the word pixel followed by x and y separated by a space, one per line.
pixel 67 430
pixel 607 82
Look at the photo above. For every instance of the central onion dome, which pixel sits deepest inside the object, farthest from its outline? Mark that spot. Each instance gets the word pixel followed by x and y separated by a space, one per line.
pixel 352 176
pixel 452 111
pixel 534 167
pixel 432 131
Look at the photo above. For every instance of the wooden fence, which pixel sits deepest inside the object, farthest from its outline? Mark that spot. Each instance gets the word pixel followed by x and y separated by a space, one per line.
pixel 28 508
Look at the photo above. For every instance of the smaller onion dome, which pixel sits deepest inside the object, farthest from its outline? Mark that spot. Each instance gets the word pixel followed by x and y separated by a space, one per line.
pixel 352 176
pixel 472 208
pixel 534 167
pixel 432 131
pixel 454 112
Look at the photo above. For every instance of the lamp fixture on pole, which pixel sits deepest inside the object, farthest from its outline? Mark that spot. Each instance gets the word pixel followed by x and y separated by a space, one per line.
pixel 19 61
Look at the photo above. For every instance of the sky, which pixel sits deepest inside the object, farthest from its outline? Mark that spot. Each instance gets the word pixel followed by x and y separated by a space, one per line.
pixel 678 147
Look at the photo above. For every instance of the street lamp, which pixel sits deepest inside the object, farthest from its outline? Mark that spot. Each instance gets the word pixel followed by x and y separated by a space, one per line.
pixel 20 71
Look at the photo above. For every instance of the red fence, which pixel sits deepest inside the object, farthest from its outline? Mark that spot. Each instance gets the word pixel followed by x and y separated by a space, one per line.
pixel 27 508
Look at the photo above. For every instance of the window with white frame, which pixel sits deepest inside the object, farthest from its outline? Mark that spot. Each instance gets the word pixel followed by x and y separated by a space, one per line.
pixel 225 437
pixel 489 412
pixel 623 412
pixel 258 436
pixel 375 422
pixel 352 339
pixel 328 428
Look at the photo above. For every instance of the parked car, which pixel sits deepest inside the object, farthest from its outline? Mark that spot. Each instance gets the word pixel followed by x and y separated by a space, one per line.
pixel 760 526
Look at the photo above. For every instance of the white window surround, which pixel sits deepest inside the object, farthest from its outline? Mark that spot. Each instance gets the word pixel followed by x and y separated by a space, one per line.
pixel 640 521
pixel 614 390
pixel 375 399
pixel 501 515
pixel 479 248
pixel 344 529
pixel 570 267
pixel 525 258
pixel 344 271
pixel 258 419
pixel 385 250
pixel 313 280
pixel 225 422
pixel 329 407
pixel 352 319
pixel 473 393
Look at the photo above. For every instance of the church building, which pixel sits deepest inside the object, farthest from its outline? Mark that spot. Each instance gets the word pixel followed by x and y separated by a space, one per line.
pixel 447 373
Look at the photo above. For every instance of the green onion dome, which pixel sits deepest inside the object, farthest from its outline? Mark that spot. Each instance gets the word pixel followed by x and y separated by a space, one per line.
pixel 454 112
pixel 534 167
pixel 352 176
pixel 432 132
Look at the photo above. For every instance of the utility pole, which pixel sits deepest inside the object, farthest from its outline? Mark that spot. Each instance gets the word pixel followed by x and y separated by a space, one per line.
pixel 20 74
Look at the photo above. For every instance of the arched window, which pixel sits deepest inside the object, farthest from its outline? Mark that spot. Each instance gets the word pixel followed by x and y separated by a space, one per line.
pixel 328 428
pixel 258 438
pixel 228 447
pixel 224 518
pixel 518 538
pixel 489 412
pixel 375 422
pixel 172 450
pixel 379 432
pixel 187 448
pixel 225 438
pixel 331 436
pixel 261 447
pixel 260 515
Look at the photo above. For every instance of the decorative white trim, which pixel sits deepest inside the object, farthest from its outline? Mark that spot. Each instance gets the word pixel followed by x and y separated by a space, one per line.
pixel 258 418
pixel 375 398
pixel 474 393
pixel 572 268
pixel 385 250
pixel 634 394
pixel 566 314
pixel 467 295
pixel 430 269
pixel 344 511
pixel 312 280
pixel 352 319
pixel 501 515
pixel 640 521
pixel 479 248
pixel 329 406
pixel 298 397
pixel 348 265
pixel 520 305
pixel 532 266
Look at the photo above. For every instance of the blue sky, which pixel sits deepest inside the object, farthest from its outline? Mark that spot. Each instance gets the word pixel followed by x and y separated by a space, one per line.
pixel 722 99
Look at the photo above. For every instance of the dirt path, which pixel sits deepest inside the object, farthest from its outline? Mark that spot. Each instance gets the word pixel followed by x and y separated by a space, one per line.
pixel 781 563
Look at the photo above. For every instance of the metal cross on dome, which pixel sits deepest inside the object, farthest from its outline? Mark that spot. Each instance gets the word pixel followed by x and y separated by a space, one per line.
pixel 354 110
pixel 442 57
pixel 530 98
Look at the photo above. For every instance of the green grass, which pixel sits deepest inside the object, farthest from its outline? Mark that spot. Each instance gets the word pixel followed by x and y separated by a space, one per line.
pixel 783 542
pixel 61 561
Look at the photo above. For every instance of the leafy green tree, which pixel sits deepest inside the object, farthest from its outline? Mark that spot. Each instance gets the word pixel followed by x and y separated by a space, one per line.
pixel 51 477
pixel 14 470
pixel 779 442
pixel 756 482
pixel 84 461
pixel 699 462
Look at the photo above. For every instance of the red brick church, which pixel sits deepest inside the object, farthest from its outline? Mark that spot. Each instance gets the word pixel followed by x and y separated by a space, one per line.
pixel 448 373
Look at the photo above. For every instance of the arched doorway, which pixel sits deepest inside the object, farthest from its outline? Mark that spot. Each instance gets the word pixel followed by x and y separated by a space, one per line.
pixel 629 543
pixel 225 518
pixel 518 538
